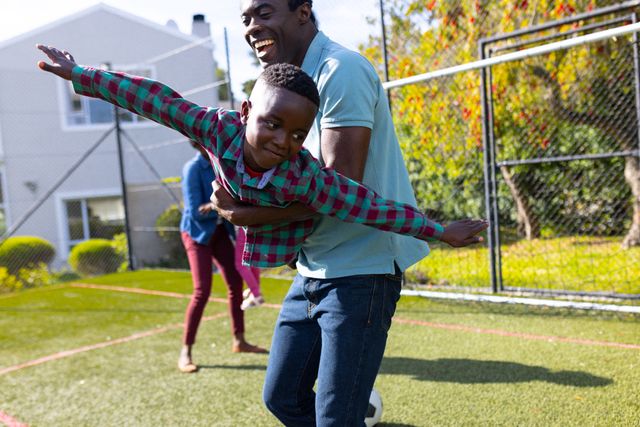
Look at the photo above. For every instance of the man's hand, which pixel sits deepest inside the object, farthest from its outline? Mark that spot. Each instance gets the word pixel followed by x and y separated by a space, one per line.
pixel 62 61
pixel 205 208
pixel 464 232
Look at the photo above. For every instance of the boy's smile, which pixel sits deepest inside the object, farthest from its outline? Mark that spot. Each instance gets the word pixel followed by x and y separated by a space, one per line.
pixel 277 122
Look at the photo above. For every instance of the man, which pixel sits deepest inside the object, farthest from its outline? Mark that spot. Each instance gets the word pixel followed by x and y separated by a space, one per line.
pixel 334 321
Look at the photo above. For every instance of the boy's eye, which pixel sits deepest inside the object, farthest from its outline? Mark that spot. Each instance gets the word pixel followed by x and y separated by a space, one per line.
pixel 299 137
pixel 270 125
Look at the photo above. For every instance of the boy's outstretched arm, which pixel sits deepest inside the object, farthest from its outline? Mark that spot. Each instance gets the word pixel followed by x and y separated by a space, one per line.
pixel 62 62
pixel 463 232
pixel 146 97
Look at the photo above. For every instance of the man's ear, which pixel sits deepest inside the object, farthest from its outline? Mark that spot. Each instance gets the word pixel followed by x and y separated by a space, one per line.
pixel 245 109
pixel 304 13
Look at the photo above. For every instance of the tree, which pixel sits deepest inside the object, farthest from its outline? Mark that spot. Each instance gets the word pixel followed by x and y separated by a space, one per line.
pixel 440 122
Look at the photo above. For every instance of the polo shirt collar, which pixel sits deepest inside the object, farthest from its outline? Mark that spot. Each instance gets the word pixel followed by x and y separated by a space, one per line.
pixel 314 53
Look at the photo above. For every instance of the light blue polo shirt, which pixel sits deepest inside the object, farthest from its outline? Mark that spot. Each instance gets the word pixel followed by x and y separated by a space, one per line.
pixel 351 94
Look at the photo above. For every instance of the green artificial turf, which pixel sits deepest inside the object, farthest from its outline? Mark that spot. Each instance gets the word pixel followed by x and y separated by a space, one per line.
pixel 431 374
pixel 583 264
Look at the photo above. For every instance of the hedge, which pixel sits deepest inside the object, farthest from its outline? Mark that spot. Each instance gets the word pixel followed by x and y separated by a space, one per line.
pixel 25 252
pixel 94 257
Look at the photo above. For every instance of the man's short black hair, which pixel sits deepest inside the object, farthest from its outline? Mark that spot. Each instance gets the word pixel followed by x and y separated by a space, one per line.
pixel 294 4
pixel 291 77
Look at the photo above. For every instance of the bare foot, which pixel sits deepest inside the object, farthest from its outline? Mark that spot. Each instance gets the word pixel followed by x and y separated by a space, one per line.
pixel 245 347
pixel 185 364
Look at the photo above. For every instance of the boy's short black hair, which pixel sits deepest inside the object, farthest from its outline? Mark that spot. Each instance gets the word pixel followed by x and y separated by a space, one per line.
pixel 294 4
pixel 291 77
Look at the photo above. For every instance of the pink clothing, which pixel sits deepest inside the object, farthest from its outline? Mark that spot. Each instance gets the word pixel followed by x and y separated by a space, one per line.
pixel 251 275
pixel 219 251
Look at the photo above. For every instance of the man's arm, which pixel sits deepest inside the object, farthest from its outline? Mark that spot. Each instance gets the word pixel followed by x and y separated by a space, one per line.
pixel 345 149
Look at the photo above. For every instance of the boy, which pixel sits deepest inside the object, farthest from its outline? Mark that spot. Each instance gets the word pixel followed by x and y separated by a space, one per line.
pixel 258 156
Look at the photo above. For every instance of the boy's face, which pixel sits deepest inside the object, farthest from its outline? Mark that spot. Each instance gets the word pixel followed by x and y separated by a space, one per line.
pixel 277 122
pixel 274 32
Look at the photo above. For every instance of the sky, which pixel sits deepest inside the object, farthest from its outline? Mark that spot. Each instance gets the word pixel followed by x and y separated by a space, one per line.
pixel 345 21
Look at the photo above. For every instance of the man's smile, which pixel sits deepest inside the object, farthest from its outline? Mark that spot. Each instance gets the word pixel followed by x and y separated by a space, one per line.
pixel 263 47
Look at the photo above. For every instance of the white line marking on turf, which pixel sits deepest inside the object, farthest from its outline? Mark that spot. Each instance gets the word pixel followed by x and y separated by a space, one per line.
pixel 524 301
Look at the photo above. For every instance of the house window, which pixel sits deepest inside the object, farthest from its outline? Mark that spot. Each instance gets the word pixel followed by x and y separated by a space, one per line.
pixel 3 216
pixel 84 111
pixel 94 218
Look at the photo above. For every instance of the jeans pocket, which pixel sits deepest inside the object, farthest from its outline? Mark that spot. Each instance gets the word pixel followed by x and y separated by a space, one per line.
pixel 391 288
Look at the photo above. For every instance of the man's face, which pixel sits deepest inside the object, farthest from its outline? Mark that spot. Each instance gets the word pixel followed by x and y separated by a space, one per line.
pixel 274 32
pixel 277 121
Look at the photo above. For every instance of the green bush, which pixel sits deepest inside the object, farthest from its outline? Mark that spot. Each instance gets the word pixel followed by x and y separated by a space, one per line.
pixel 25 252
pixel 8 282
pixel 167 223
pixel 35 276
pixel 94 257
pixel 120 245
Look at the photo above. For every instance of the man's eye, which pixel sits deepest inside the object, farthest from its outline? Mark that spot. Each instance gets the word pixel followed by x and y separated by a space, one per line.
pixel 245 21
pixel 270 124
pixel 264 15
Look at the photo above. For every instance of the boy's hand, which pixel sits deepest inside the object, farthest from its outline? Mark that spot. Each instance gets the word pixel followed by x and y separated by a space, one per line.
pixel 62 60
pixel 464 232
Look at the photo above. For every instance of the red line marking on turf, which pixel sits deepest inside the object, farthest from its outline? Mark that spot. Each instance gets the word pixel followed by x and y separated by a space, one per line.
pixel 68 353
pixel 9 421
pixel 140 291
pixel 152 292
pixel 447 326
pixel 548 338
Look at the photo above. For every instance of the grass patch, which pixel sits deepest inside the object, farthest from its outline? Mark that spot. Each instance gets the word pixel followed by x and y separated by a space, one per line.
pixel 430 375
pixel 585 264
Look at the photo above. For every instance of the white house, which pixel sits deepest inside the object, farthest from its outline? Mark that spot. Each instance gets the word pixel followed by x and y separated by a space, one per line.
pixel 45 129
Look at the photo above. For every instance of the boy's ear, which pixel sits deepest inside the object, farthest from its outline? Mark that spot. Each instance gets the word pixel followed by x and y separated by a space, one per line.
pixel 245 109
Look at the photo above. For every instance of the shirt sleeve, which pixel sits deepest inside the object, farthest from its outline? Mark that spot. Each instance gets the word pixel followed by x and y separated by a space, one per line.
pixel 150 99
pixel 330 193
pixel 348 89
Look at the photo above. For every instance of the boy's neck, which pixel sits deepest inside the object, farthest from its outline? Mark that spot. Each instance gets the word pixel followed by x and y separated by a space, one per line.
pixel 251 172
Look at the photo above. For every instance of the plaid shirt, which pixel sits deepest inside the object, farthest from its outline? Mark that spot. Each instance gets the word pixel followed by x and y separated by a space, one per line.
pixel 300 179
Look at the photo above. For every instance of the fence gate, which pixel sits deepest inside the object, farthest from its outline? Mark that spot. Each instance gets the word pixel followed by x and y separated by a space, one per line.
pixel 561 170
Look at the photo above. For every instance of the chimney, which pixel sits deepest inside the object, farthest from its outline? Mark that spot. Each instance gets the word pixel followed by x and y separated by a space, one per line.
pixel 200 28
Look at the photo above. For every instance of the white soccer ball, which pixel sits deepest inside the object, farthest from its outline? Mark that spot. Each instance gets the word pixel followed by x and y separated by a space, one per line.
pixel 374 412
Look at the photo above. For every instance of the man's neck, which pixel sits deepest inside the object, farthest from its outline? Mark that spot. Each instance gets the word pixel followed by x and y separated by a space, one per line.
pixel 308 37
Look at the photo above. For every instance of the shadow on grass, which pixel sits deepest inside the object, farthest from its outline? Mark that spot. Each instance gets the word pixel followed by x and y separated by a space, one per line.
pixel 235 367
pixel 467 371
pixel 394 425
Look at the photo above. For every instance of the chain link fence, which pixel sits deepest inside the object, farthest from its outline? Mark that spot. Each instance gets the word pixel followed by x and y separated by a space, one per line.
pixel 549 154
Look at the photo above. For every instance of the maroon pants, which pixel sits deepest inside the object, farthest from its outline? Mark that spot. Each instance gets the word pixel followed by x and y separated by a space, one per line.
pixel 220 251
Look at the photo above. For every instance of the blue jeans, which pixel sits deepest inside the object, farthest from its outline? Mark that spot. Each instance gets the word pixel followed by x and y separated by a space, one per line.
pixel 334 330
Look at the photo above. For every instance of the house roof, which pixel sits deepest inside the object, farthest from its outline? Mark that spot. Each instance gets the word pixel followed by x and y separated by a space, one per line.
pixel 98 8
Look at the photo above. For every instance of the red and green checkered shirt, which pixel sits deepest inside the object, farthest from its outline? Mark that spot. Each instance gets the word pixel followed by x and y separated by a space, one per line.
pixel 300 179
